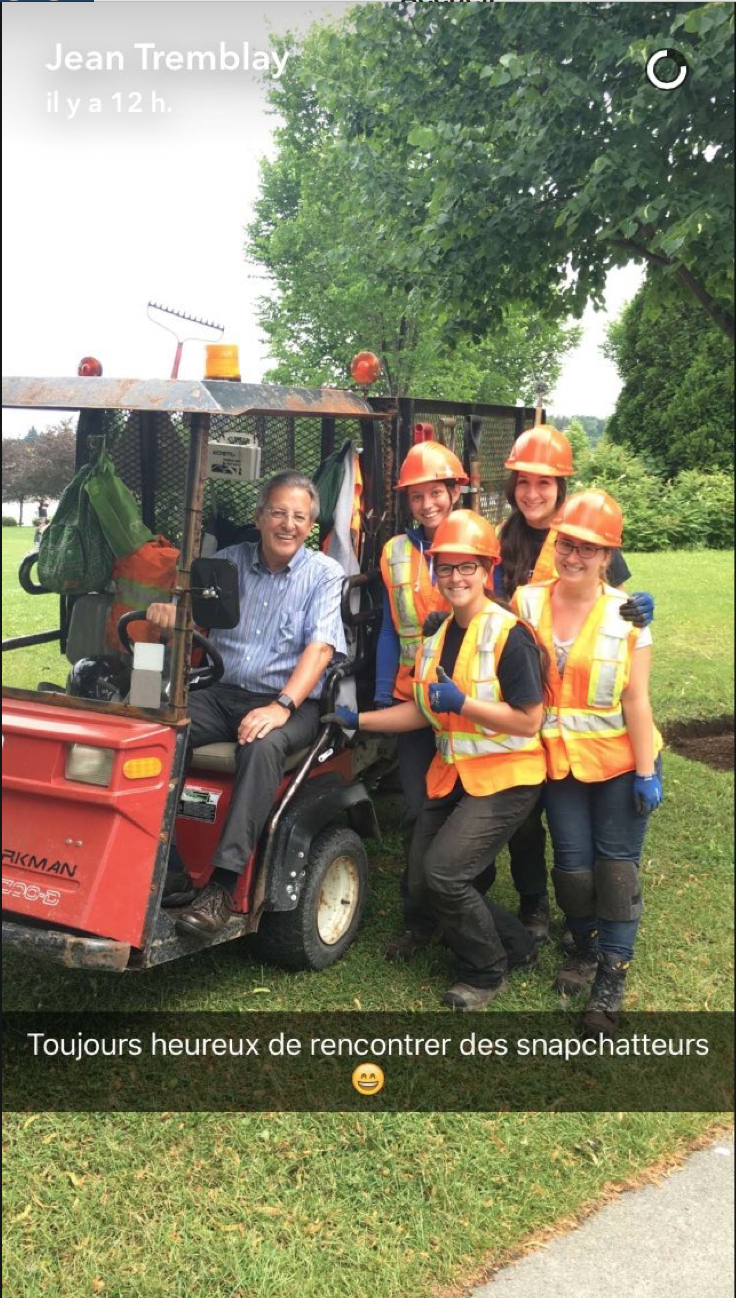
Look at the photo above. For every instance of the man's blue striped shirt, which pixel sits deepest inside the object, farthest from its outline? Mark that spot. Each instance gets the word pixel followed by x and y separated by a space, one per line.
pixel 280 614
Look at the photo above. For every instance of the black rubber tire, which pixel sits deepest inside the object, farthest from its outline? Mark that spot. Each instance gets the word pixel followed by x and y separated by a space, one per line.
pixel 291 938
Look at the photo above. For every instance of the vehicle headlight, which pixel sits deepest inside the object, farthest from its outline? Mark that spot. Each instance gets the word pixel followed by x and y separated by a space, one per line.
pixel 89 765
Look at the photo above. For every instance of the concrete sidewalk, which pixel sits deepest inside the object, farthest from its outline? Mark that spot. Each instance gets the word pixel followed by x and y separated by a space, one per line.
pixel 673 1240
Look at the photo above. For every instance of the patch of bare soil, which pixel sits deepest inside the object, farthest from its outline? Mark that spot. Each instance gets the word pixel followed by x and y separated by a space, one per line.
pixel 710 742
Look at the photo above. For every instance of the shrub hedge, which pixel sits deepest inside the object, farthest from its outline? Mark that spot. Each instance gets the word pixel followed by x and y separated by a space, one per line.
pixel 693 511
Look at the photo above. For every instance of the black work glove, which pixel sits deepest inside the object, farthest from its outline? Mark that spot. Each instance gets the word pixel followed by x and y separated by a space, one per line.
pixel 433 622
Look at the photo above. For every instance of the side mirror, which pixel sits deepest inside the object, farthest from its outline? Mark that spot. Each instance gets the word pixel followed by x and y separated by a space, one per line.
pixel 215 593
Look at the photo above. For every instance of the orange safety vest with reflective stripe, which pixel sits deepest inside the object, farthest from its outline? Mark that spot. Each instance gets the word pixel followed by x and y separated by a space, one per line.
pixel 412 598
pixel 585 730
pixel 485 761
pixel 544 568
pixel 147 576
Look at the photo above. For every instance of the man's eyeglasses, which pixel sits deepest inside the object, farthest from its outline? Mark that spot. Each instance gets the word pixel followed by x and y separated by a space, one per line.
pixel 465 569
pixel 283 516
pixel 566 548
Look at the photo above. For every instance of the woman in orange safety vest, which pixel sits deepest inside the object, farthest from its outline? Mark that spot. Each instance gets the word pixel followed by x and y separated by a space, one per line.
pixel 432 477
pixel 541 462
pixel 602 750
pixel 478 690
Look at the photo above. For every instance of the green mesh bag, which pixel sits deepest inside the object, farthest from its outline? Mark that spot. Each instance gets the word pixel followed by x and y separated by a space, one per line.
pixel 74 554
pixel 116 508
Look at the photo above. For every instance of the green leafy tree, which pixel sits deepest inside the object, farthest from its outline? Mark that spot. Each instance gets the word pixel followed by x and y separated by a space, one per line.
pixel 578 439
pixel 339 284
pixel 17 457
pixel 592 425
pixel 40 464
pixel 517 152
pixel 676 408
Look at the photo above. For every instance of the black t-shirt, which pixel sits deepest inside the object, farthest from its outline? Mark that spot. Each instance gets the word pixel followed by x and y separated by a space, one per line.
pixel 518 669
pixel 618 571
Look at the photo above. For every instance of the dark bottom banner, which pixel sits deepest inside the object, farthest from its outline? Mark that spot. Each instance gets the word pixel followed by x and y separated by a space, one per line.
pixel 383 1062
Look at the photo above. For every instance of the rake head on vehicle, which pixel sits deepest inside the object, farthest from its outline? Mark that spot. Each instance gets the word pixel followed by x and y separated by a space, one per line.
pixel 214 330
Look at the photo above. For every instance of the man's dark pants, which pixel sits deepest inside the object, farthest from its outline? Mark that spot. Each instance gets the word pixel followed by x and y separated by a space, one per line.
pixel 216 714
pixel 454 837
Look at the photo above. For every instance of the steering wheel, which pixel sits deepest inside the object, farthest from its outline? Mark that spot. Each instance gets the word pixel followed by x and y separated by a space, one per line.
pixel 200 678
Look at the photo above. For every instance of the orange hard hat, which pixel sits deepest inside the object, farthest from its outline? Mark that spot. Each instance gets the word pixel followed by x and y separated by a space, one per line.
pixel 430 462
pixel 465 532
pixel 591 516
pixel 542 450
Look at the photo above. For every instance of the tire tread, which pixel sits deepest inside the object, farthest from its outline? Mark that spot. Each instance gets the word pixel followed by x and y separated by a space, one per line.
pixel 289 938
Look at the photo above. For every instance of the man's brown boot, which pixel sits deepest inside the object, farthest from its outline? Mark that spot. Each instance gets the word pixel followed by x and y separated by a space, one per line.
pixel 208 913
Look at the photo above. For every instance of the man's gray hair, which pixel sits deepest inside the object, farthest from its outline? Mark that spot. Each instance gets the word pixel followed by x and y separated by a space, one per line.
pixel 289 478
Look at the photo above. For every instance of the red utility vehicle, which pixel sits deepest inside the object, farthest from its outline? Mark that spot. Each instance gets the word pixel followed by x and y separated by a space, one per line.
pixel 93 785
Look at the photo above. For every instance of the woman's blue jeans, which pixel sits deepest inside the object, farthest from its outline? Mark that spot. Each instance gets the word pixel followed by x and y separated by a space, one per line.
pixel 590 821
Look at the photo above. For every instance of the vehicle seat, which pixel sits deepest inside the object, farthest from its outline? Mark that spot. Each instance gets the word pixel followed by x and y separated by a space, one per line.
pixel 86 635
pixel 221 757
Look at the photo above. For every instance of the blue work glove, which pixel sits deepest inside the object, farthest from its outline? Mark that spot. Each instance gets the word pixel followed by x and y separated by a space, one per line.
pixel 639 609
pixel 445 697
pixel 647 793
pixel 342 716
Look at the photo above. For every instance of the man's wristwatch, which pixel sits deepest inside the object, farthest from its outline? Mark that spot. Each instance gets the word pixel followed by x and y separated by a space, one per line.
pixel 285 701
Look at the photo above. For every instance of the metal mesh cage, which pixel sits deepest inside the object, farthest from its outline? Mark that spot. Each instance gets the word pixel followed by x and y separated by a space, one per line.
pixel 285 442
pixel 150 453
pixel 499 428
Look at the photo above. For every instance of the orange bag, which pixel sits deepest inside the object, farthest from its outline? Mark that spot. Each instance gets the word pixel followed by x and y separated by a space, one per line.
pixel 147 576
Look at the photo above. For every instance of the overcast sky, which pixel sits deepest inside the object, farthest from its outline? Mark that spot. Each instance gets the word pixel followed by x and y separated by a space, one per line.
pixel 104 211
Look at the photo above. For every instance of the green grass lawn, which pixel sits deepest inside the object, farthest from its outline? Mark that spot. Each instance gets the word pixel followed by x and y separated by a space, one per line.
pixel 692 674
pixel 23 614
pixel 393 1206
pixel 284 1206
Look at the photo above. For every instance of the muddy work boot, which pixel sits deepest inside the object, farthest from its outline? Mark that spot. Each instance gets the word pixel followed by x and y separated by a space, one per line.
pixel 579 970
pixel 406 945
pixel 530 961
pixel 462 996
pixel 534 915
pixel 567 941
pixel 602 1014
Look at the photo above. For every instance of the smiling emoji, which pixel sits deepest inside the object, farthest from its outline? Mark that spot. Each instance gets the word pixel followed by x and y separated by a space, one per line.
pixel 368 1079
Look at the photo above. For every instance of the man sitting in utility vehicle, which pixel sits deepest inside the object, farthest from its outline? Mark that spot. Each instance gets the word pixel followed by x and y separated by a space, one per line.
pixel 275 658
